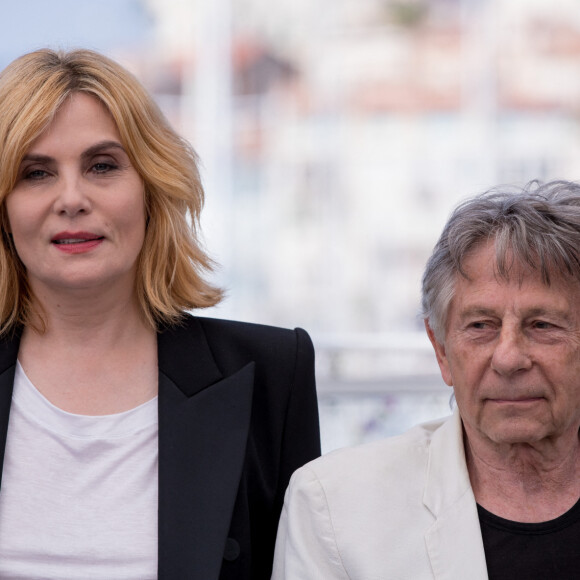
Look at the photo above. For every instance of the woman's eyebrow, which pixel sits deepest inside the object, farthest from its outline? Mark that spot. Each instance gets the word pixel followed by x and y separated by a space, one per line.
pixel 38 158
pixel 99 147
pixel 92 150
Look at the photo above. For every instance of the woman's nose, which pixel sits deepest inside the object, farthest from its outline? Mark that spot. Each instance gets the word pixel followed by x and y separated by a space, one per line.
pixel 71 196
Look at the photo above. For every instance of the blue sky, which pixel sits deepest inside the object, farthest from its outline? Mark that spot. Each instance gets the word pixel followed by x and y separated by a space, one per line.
pixel 103 25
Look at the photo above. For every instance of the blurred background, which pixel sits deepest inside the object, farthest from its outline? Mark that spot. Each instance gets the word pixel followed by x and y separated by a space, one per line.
pixel 335 138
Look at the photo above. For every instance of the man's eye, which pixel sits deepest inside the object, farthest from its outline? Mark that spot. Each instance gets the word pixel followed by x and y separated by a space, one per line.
pixel 541 324
pixel 479 325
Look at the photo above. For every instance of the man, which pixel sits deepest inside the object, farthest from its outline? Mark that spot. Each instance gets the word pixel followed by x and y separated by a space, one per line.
pixel 492 491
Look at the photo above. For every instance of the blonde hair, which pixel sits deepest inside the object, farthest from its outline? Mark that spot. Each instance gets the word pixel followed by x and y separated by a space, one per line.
pixel 172 261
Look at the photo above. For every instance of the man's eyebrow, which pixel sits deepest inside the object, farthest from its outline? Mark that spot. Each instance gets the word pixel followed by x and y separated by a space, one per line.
pixel 538 311
pixel 477 311
pixel 558 312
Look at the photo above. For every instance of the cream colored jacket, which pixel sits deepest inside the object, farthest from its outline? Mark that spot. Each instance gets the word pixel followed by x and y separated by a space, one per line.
pixel 397 509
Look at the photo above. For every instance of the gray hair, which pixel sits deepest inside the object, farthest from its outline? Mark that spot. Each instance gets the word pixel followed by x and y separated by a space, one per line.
pixel 537 225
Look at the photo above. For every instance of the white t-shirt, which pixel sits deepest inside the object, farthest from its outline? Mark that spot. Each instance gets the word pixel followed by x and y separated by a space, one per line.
pixel 79 493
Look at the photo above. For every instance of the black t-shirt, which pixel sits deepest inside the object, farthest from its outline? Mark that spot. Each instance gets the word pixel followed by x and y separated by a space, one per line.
pixel 542 551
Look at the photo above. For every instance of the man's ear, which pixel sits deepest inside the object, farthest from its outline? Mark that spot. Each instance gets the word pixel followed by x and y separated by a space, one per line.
pixel 440 354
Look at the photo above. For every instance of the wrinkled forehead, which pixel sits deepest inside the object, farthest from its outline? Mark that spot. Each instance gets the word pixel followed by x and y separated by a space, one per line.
pixel 510 266
pixel 485 263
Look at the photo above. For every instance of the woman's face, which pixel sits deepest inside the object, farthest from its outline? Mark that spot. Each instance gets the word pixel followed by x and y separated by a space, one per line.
pixel 77 213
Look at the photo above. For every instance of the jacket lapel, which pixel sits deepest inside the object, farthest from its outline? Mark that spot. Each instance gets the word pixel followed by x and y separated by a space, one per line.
pixel 203 427
pixel 204 421
pixel 454 541
pixel 8 356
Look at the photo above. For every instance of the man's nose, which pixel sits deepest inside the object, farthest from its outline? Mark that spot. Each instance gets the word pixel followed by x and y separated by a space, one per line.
pixel 511 351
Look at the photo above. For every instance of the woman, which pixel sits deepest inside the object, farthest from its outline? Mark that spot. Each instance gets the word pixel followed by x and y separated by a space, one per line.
pixel 136 441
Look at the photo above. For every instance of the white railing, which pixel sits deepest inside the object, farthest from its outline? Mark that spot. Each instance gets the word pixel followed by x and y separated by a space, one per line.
pixel 376 363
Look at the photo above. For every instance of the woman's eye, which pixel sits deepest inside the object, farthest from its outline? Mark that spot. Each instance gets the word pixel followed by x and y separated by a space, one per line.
pixel 103 167
pixel 34 174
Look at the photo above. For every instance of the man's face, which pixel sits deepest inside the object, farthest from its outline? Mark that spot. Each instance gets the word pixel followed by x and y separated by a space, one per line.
pixel 512 353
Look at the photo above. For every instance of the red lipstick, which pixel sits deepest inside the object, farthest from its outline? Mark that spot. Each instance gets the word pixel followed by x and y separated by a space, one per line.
pixel 76 242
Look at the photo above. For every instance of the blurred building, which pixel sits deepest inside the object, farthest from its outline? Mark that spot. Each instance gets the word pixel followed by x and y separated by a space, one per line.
pixel 352 129
pixel 335 137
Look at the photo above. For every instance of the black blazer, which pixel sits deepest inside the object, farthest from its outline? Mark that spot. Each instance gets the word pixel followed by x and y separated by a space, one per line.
pixel 237 415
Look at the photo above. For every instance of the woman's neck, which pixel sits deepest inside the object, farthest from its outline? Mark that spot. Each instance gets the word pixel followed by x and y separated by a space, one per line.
pixel 86 309
pixel 98 360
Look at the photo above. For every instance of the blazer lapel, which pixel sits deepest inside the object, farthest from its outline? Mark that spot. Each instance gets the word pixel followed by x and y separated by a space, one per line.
pixel 203 427
pixel 454 541
pixel 8 356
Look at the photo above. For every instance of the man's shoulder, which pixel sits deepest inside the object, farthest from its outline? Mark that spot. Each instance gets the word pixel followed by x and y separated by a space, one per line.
pixel 376 489
pixel 392 458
